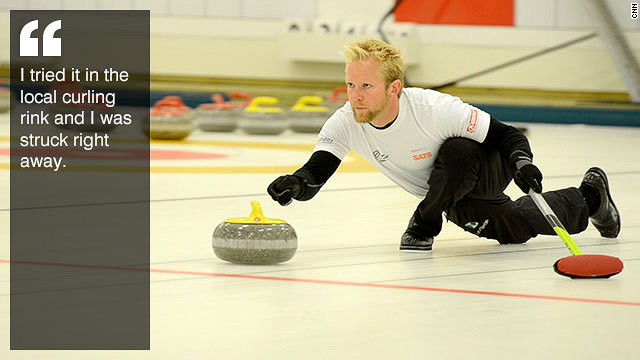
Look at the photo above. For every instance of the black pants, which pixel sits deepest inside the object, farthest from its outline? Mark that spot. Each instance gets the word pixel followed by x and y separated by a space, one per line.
pixel 468 184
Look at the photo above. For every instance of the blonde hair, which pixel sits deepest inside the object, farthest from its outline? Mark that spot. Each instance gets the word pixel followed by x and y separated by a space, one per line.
pixel 393 66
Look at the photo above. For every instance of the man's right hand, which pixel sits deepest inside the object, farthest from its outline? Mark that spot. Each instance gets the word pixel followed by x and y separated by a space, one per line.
pixel 285 188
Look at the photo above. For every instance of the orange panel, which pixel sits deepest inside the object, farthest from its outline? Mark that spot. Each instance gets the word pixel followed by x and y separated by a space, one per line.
pixel 457 12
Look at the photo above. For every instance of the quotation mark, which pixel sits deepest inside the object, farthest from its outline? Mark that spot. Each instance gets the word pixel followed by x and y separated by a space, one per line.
pixel 51 46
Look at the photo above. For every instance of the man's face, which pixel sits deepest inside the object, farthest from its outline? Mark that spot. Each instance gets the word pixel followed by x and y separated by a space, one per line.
pixel 366 90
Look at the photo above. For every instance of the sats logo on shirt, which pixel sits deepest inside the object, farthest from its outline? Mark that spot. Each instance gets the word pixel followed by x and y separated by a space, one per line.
pixel 421 153
pixel 473 119
pixel 417 157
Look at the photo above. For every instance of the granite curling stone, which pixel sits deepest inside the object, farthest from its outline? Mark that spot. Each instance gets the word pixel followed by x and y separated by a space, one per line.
pixel 260 117
pixel 222 115
pixel 255 240
pixel 219 116
pixel 170 119
pixel 307 116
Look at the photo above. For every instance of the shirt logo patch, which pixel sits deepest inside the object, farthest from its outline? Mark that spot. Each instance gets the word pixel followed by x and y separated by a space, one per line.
pixel 380 157
pixel 418 157
pixel 473 119
pixel 325 140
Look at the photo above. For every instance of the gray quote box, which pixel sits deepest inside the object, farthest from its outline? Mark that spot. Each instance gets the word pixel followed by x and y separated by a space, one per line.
pixel 80 231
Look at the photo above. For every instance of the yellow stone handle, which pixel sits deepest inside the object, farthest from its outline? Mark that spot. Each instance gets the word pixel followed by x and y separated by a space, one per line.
pixel 263 105
pixel 256 212
pixel 309 104
pixel 256 217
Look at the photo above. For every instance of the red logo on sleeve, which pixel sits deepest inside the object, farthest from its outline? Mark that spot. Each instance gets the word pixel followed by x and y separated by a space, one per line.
pixel 472 121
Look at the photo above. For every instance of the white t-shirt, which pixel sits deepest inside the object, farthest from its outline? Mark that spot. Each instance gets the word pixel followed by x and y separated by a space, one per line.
pixel 406 150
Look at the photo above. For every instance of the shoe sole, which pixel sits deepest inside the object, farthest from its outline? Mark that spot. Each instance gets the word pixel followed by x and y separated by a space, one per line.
pixel 414 249
pixel 606 184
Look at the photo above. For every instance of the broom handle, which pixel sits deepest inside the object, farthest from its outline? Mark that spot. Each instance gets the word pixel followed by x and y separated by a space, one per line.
pixel 555 223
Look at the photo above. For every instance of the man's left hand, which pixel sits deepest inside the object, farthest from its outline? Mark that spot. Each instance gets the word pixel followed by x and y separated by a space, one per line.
pixel 529 177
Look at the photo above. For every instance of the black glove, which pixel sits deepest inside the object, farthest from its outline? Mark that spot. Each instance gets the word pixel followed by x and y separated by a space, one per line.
pixel 285 188
pixel 528 176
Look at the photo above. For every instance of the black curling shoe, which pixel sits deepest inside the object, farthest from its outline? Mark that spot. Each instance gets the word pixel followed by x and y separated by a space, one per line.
pixel 412 240
pixel 606 218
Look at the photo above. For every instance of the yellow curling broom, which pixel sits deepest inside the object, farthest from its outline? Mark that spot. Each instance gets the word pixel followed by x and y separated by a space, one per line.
pixel 577 266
